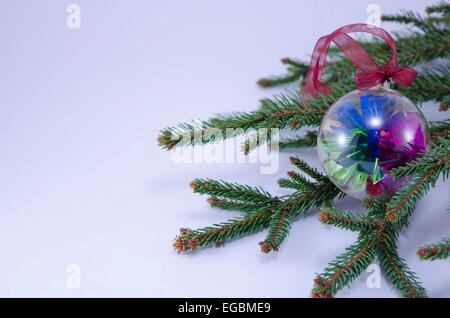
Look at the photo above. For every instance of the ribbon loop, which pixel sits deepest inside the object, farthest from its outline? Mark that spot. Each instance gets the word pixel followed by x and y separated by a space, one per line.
pixel 371 75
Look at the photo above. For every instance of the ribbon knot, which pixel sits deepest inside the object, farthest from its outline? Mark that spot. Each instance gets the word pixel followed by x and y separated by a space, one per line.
pixel 387 71
pixel 372 74
pixel 402 75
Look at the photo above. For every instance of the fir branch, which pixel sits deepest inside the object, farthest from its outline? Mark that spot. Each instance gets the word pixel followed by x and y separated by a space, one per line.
pixel 376 208
pixel 437 159
pixel 438 250
pixel 441 7
pixel 295 63
pixel 232 191
pixel 292 76
pixel 397 271
pixel 347 220
pixel 439 14
pixel 296 70
pixel 312 172
pixel 279 227
pixel 302 201
pixel 219 233
pixel 225 204
pixel 347 267
pixel 409 17
pixel 279 113
pixel 404 201
pixel 423 172
pixel 289 184
pixel 262 137
pixel 440 129
pixel 432 86
pixel 308 141
pixel 444 106
pixel 262 210
pixel 301 181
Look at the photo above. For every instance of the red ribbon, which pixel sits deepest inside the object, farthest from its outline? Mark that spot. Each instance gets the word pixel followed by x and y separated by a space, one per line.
pixel 371 75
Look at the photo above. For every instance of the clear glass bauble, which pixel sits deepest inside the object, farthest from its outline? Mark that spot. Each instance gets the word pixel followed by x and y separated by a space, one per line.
pixel 366 134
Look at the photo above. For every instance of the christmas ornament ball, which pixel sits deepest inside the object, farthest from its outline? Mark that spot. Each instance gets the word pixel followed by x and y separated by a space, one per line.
pixel 365 135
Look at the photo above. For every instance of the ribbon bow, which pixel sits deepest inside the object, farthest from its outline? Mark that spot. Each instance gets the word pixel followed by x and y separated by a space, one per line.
pixel 403 75
pixel 372 74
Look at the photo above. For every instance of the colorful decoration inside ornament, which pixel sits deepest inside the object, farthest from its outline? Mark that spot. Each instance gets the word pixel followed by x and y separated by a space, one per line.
pixel 366 134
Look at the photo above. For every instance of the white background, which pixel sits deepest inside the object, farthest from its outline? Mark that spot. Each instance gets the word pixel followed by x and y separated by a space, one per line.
pixel 81 177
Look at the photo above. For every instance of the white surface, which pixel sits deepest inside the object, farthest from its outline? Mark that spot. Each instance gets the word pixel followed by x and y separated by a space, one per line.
pixel 83 181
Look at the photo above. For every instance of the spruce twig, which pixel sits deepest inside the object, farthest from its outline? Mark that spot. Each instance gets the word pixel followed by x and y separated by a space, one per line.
pixel 439 250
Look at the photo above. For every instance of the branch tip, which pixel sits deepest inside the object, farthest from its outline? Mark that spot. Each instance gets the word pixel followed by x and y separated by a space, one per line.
pixel 324 217
pixel 263 83
pixel 193 185
pixel 264 247
pixel 178 245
